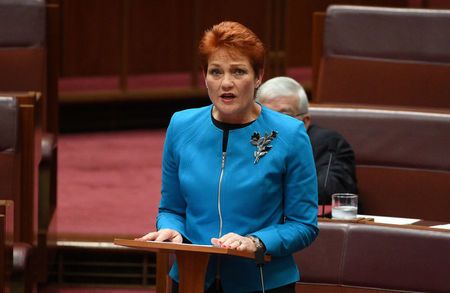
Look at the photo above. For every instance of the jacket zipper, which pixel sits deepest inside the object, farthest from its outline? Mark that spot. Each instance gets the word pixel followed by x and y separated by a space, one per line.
pixel 224 154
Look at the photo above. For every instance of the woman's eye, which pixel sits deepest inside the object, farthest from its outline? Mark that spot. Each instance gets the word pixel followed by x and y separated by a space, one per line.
pixel 214 71
pixel 240 71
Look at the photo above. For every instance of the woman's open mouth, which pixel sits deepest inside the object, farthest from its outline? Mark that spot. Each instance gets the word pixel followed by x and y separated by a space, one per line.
pixel 228 97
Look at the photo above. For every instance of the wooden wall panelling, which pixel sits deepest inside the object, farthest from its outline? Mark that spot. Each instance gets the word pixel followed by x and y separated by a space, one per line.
pixel 317 48
pixel 119 38
pixel 160 36
pixel 250 13
pixel 274 36
pixel 91 37
pixel 53 64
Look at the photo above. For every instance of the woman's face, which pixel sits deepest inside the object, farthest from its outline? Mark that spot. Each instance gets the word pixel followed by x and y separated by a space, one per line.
pixel 231 84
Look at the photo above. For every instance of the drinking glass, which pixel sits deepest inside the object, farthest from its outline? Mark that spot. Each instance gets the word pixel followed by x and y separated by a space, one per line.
pixel 344 206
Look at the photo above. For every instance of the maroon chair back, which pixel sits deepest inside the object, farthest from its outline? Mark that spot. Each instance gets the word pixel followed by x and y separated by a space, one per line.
pixel 402 162
pixel 385 56
pixel 368 257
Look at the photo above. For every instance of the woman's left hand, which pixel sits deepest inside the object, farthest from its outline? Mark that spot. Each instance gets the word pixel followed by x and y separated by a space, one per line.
pixel 234 241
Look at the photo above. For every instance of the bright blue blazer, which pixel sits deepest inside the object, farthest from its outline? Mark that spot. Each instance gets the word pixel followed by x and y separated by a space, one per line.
pixel 274 199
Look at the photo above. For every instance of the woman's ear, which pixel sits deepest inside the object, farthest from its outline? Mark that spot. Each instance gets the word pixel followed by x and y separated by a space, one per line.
pixel 204 78
pixel 259 78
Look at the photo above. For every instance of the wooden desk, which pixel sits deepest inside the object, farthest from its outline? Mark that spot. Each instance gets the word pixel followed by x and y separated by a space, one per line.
pixel 192 259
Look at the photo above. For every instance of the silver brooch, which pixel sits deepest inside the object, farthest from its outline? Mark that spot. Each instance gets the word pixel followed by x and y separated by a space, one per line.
pixel 262 144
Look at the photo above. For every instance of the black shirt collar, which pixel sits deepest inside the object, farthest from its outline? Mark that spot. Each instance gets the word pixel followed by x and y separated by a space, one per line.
pixel 228 126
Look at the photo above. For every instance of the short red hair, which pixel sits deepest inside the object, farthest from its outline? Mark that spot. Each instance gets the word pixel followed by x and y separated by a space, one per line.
pixel 232 35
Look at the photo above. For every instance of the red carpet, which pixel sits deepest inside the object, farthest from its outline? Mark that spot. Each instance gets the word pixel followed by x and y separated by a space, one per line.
pixel 108 184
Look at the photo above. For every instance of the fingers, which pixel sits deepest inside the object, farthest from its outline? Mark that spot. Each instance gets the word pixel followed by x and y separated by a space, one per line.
pixel 216 242
pixel 247 245
pixel 234 241
pixel 162 235
pixel 148 237
pixel 169 235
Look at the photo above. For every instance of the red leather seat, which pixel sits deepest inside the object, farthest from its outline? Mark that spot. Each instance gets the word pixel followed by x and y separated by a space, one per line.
pixel 385 56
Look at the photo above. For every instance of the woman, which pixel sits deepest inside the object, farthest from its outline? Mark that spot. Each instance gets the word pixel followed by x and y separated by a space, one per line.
pixel 233 174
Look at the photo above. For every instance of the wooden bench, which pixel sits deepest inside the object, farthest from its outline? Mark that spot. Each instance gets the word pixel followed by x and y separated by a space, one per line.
pixel 363 257
pixel 402 161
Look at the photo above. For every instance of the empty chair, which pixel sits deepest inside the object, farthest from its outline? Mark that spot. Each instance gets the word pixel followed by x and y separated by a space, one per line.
pixel 402 162
pixel 354 257
pixel 385 56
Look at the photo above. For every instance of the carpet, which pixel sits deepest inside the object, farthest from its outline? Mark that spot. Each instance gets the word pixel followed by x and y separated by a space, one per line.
pixel 108 184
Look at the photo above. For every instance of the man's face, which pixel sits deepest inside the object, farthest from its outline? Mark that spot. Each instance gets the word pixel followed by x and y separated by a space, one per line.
pixel 284 104
pixel 287 105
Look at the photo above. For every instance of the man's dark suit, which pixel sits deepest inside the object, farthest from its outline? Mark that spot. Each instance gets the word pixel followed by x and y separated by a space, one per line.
pixel 328 144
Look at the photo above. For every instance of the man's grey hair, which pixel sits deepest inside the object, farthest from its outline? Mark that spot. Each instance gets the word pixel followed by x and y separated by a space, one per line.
pixel 283 86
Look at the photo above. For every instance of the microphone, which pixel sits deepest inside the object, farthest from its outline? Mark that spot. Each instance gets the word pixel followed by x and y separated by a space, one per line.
pixel 332 147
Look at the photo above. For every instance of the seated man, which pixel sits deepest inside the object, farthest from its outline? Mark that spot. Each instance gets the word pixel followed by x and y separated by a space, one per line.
pixel 334 157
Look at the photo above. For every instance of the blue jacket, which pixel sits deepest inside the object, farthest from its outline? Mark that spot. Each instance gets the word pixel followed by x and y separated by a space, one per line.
pixel 208 194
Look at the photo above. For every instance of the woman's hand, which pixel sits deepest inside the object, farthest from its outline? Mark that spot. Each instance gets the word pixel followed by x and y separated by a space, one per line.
pixel 168 235
pixel 234 241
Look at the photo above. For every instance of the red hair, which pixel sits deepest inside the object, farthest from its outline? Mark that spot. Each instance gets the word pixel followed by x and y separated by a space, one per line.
pixel 235 36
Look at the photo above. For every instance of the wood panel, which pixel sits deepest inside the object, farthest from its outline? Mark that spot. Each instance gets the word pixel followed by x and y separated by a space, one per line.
pixel 91 37
pixel 160 36
pixel 50 124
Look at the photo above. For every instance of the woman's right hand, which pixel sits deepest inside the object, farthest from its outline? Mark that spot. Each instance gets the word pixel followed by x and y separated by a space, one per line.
pixel 168 235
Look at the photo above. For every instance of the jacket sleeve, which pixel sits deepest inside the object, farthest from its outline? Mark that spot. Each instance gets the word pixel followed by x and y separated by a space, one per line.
pixel 172 207
pixel 299 228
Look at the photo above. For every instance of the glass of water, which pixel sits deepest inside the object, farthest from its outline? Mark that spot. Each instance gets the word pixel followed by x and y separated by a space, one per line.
pixel 344 206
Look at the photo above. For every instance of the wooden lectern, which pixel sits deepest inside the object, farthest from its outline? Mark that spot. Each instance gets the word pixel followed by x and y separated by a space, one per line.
pixel 192 259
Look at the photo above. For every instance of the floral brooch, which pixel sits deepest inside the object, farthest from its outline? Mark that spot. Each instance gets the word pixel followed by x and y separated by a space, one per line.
pixel 262 144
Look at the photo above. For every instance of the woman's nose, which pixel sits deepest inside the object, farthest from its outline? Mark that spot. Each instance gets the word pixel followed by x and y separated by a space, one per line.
pixel 227 81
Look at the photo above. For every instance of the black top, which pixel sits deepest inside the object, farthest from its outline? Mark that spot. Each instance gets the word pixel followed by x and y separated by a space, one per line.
pixel 335 163
pixel 226 127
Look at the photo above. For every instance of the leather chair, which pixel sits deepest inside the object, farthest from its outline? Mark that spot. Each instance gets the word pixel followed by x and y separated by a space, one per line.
pixel 363 257
pixel 402 162
pixel 385 56
pixel 29 54
pixel 396 258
